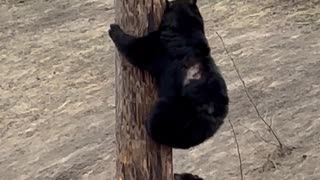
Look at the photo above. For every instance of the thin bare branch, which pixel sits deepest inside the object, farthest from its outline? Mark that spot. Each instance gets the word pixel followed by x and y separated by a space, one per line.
pixel 238 149
pixel 248 94
pixel 258 135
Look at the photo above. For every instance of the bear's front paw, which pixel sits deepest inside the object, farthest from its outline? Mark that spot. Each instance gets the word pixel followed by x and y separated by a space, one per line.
pixel 114 31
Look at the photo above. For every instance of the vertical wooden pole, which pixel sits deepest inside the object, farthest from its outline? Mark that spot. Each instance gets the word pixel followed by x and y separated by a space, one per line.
pixel 138 157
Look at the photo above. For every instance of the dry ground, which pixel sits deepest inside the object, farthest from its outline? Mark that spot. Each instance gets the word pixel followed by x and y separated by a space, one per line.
pixel 57 90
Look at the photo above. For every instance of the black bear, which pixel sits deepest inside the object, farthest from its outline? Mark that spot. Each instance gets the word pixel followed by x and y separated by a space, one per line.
pixel 192 94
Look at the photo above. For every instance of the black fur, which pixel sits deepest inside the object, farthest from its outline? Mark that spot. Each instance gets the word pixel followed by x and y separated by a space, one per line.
pixel 186 176
pixel 192 95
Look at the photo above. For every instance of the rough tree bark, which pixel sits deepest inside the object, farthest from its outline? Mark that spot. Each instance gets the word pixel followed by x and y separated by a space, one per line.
pixel 138 157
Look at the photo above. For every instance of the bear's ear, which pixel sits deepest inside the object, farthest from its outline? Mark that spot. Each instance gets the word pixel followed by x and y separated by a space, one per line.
pixel 194 2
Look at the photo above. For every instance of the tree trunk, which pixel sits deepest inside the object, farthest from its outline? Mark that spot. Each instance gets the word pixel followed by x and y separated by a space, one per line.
pixel 138 157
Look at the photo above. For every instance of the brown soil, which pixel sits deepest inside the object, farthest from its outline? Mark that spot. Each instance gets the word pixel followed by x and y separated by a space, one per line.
pixel 57 90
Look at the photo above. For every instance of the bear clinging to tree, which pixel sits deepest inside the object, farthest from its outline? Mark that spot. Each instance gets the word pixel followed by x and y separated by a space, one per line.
pixel 192 94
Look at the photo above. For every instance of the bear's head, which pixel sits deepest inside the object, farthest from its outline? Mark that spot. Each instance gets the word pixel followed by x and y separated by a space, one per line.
pixel 182 16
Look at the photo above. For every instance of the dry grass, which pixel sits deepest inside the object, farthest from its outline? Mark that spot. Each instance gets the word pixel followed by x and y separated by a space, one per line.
pixel 57 90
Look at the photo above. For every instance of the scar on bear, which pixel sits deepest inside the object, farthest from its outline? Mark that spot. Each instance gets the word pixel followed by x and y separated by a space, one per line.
pixel 193 73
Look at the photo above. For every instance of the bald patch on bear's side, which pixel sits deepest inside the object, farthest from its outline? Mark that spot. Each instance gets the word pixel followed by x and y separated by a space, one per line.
pixel 193 73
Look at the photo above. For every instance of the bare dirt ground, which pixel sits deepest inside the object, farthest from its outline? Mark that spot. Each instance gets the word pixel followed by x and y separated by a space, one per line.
pixel 57 90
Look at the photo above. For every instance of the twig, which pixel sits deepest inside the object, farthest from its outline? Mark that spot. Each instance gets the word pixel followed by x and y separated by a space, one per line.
pixel 248 94
pixel 238 149
pixel 258 135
